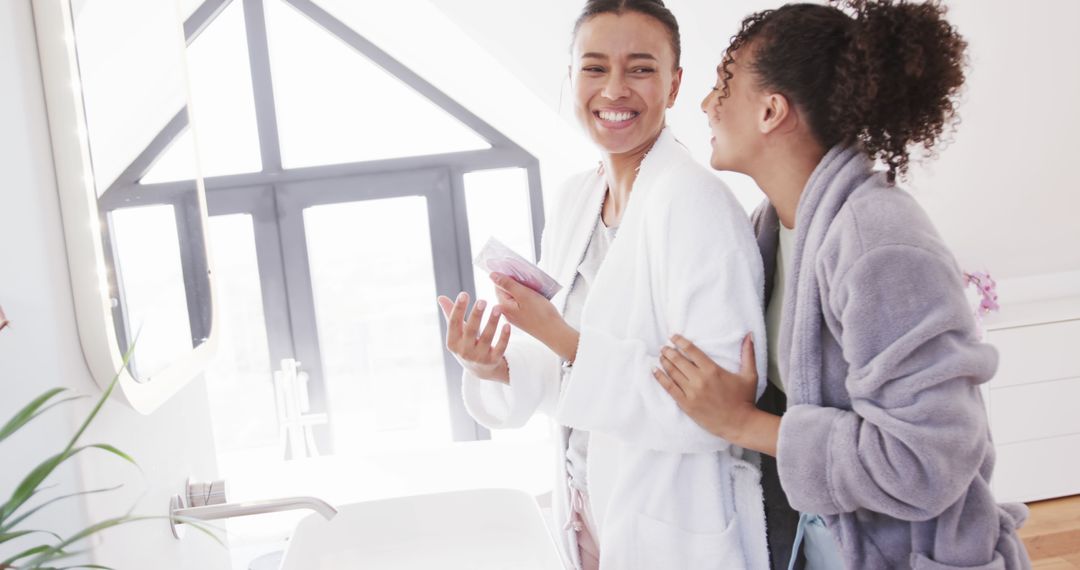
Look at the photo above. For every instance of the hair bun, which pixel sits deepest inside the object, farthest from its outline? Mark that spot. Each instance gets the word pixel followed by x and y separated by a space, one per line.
pixel 898 82
pixel 882 73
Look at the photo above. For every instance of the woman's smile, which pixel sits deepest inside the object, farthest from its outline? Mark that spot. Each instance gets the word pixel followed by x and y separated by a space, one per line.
pixel 616 118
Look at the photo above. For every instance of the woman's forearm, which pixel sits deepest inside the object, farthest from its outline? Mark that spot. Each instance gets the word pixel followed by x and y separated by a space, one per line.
pixel 760 432
pixel 562 339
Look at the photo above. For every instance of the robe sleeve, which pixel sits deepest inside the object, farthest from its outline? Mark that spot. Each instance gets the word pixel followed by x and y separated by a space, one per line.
pixel 916 435
pixel 706 281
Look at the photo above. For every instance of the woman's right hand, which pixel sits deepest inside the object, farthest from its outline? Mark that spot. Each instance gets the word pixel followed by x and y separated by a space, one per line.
pixel 475 352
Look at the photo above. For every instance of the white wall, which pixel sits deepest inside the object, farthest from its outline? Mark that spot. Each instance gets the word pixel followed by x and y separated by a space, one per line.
pixel 1003 195
pixel 41 350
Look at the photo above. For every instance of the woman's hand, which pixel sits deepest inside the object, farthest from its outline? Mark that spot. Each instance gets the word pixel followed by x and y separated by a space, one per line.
pixel 720 401
pixel 533 313
pixel 476 353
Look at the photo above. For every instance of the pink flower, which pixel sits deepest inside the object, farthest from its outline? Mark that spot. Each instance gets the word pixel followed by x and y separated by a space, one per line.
pixel 987 288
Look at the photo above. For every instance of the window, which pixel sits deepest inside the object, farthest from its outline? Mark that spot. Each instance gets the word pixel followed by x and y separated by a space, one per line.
pixel 498 206
pixel 240 378
pixel 378 322
pixel 344 194
pixel 498 203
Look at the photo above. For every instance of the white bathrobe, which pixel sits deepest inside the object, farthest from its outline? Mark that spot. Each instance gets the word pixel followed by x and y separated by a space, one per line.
pixel 665 493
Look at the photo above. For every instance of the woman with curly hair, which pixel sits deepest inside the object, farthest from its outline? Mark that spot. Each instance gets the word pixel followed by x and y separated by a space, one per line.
pixel 873 412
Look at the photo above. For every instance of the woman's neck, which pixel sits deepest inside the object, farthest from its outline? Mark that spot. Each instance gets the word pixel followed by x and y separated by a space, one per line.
pixel 783 175
pixel 620 172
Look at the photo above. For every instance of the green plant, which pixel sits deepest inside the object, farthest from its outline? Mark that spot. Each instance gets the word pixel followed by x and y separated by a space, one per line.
pixel 47 555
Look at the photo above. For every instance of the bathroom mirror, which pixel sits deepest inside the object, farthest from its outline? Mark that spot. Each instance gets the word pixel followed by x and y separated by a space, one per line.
pixel 132 201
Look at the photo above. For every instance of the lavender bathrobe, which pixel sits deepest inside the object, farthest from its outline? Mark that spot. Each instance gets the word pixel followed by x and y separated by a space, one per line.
pixel 885 434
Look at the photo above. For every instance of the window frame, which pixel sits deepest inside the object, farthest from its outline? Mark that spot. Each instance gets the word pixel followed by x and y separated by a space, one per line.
pixel 275 198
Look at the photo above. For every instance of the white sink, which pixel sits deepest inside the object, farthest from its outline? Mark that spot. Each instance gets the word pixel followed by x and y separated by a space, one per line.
pixel 488 529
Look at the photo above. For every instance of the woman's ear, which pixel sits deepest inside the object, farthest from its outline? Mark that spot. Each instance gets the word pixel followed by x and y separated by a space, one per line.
pixel 676 82
pixel 774 113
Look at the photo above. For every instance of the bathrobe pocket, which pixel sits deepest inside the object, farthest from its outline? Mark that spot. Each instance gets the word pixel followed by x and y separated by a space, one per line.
pixel 920 562
pixel 1011 517
pixel 664 545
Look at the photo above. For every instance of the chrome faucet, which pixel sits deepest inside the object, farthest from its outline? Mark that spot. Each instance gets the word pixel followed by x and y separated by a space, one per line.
pixel 205 503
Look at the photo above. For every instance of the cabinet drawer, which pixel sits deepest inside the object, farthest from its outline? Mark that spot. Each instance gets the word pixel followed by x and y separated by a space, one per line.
pixel 1035 411
pixel 1036 470
pixel 1036 353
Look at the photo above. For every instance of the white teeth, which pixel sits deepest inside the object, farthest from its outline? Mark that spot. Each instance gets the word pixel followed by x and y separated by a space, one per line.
pixel 616 117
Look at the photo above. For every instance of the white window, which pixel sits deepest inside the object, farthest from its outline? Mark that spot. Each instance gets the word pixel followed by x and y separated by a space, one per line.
pixel 344 192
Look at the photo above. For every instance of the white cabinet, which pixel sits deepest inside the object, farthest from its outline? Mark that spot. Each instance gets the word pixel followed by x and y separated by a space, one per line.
pixel 1034 400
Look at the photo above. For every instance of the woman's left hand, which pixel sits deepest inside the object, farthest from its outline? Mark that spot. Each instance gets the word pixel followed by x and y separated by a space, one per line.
pixel 533 313
pixel 720 401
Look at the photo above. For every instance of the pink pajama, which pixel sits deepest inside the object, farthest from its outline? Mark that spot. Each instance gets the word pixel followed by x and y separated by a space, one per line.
pixel 582 523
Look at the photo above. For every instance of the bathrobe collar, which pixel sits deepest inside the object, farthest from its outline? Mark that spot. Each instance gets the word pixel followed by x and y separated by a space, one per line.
pixel 665 153
pixel 840 172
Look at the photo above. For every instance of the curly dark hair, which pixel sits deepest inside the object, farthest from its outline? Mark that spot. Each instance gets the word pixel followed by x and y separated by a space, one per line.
pixel 652 8
pixel 884 74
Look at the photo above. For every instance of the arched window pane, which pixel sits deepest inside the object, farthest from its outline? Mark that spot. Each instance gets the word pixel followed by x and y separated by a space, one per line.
pixel 335 106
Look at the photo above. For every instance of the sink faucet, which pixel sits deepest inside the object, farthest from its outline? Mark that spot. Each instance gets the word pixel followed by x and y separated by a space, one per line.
pixel 217 509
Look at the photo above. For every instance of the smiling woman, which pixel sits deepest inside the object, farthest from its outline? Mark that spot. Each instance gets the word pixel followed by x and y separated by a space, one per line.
pixel 621 95
pixel 647 244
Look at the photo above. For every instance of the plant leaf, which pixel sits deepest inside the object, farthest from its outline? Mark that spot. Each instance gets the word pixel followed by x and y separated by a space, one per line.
pixel 13 535
pixel 4 537
pixel 110 449
pixel 23 516
pixel 47 408
pixel 30 552
pixel 29 485
pixel 57 551
pixel 101 400
pixel 58 555
pixel 27 413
